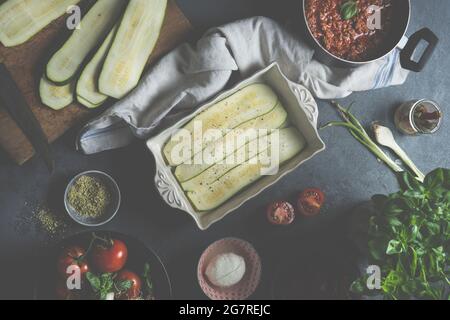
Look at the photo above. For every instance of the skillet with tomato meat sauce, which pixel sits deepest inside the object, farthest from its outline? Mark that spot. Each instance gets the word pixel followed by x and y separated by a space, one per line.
pixel 342 28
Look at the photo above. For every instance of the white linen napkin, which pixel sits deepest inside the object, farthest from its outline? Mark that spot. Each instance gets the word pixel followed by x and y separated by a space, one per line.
pixel 190 75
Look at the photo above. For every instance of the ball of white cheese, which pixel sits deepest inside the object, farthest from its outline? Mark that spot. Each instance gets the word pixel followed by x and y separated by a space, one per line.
pixel 226 270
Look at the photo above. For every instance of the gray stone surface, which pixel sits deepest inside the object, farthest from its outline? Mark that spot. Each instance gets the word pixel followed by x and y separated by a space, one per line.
pixel 346 172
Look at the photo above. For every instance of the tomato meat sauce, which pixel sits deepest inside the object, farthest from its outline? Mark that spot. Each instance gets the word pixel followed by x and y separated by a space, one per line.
pixel 351 38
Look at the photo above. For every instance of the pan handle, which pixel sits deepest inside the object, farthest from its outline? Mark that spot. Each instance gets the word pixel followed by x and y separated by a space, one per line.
pixel 406 55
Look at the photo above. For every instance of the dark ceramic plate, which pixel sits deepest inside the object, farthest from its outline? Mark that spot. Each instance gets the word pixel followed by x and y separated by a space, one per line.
pixel 138 255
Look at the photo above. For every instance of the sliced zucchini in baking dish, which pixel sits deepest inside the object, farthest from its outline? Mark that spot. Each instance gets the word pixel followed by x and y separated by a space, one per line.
pixel 95 25
pixel 55 97
pixel 240 156
pixel 134 42
pixel 272 120
pixel 22 19
pixel 206 198
pixel 246 104
pixel 87 85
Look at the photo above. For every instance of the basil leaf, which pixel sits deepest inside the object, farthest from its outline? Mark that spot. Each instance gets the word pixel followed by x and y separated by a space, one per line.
pixel 408 182
pixel 414 194
pixel 434 179
pixel 413 262
pixel 94 281
pixel 394 222
pixel 147 278
pixel 393 208
pixel 349 9
pixel 433 228
pixel 124 285
pixel 392 281
pixel 415 233
pixel 394 247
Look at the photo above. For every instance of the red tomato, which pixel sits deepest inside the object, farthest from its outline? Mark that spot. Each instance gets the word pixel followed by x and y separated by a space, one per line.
pixel 280 212
pixel 75 256
pixel 135 291
pixel 310 201
pixel 109 256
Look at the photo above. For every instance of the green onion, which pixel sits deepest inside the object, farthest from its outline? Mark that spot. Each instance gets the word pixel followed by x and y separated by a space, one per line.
pixel 359 133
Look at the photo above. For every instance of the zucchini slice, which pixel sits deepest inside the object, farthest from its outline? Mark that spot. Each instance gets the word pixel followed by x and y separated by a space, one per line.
pixel 206 198
pixel 246 104
pixel 272 120
pixel 95 25
pixel 87 85
pixel 55 97
pixel 87 103
pixel 22 19
pixel 134 42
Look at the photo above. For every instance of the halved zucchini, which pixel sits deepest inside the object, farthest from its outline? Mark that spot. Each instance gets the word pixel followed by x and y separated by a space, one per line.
pixel 272 120
pixel 205 198
pixel 95 25
pixel 246 104
pixel 134 42
pixel 87 85
pixel 55 97
pixel 22 19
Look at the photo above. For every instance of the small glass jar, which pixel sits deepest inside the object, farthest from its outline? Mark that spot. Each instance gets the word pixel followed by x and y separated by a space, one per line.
pixel 418 116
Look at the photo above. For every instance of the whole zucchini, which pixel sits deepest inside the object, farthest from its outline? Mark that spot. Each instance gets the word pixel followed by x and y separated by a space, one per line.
pixel 134 42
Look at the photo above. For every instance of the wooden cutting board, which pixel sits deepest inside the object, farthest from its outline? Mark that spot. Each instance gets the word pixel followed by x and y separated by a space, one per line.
pixel 25 62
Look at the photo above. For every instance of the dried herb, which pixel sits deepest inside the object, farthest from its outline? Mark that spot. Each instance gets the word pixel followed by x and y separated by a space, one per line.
pixel 49 221
pixel 89 196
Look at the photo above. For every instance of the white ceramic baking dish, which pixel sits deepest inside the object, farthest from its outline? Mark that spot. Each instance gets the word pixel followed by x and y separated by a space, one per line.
pixel 302 112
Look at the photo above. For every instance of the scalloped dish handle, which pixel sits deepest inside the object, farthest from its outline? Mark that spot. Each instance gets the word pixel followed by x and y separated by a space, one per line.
pixel 167 190
pixel 307 100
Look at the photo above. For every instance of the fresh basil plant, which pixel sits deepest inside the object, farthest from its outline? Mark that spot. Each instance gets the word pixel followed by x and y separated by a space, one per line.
pixel 408 238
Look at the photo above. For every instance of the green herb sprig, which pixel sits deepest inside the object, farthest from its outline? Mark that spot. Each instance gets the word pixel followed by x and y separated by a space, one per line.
pixel 148 280
pixel 349 9
pixel 409 239
pixel 105 283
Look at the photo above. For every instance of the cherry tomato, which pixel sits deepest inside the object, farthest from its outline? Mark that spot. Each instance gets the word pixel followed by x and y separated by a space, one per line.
pixel 280 212
pixel 310 201
pixel 135 291
pixel 109 256
pixel 72 256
